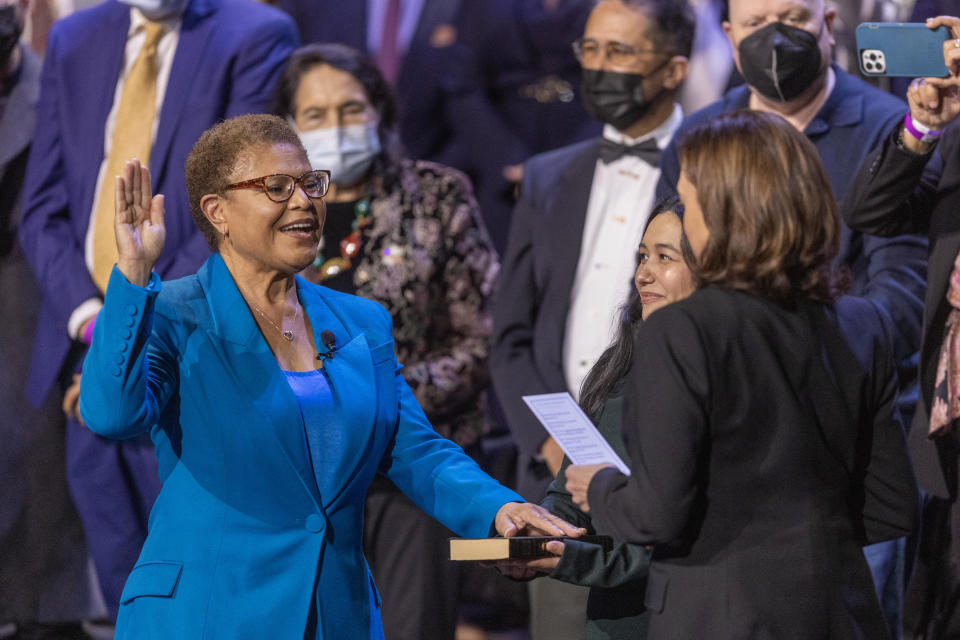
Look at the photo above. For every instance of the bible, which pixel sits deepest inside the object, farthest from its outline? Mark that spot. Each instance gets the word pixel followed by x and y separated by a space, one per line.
pixel 519 547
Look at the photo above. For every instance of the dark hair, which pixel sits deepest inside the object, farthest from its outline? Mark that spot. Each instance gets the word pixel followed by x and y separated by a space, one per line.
pixel 211 162
pixel 615 361
pixel 672 24
pixel 362 68
pixel 767 204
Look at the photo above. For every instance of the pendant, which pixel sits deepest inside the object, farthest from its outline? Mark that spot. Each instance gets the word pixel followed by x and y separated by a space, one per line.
pixel 288 336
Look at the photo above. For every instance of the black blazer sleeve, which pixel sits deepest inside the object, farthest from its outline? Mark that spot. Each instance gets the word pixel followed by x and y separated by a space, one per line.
pixel 894 191
pixel 669 377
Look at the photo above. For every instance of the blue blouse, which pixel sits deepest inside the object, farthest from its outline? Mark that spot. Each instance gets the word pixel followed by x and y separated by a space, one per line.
pixel 324 440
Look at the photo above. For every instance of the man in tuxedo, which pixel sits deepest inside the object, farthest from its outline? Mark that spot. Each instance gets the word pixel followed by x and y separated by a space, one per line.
pixel 140 78
pixel 410 41
pixel 783 50
pixel 571 252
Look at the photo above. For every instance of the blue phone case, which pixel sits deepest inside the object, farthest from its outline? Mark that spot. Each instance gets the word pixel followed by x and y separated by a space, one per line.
pixel 902 49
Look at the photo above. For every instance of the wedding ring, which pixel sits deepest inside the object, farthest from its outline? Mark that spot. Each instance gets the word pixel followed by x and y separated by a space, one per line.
pixel 956 43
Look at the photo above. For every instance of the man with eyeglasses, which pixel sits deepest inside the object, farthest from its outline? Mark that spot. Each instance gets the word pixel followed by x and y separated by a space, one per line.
pixel 130 78
pixel 783 50
pixel 573 238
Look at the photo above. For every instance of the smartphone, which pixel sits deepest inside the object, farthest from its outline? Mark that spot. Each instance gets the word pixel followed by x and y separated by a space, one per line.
pixel 902 49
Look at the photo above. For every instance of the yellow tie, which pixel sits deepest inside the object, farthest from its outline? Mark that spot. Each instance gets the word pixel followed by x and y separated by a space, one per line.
pixel 132 138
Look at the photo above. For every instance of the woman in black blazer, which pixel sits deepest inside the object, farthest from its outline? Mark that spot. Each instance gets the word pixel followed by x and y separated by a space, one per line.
pixel 759 412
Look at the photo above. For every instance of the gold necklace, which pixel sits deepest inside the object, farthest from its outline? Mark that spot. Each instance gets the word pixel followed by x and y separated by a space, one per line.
pixel 287 335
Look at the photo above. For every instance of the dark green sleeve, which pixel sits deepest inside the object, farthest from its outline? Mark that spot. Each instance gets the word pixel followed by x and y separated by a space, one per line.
pixel 588 564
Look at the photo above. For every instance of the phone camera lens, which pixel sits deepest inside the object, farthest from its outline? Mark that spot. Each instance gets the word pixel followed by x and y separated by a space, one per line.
pixel 873 56
pixel 869 66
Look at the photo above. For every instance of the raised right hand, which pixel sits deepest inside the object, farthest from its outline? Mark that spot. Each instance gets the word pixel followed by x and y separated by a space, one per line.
pixel 935 102
pixel 138 224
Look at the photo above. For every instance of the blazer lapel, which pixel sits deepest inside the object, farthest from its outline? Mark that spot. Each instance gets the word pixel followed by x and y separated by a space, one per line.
pixel 248 358
pixel 569 216
pixel 191 47
pixel 353 383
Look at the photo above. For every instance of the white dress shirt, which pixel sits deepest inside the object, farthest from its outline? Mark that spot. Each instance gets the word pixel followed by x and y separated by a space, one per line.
pixel 166 49
pixel 621 198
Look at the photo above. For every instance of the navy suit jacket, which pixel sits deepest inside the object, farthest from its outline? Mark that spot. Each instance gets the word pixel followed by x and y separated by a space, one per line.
pixel 419 89
pixel 530 314
pixel 889 271
pixel 228 56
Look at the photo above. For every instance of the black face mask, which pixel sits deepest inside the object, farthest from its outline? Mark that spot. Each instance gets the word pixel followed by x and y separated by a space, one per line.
pixel 10 28
pixel 780 61
pixel 613 97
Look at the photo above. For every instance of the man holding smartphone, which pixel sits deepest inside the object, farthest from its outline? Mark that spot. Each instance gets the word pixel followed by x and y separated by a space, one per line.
pixel 911 182
pixel 783 49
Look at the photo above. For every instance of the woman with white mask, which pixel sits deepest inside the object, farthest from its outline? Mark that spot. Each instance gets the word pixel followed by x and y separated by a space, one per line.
pixel 409 235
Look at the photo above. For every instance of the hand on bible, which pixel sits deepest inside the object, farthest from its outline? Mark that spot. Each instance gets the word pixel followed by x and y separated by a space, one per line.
pixel 138 224
pixel 527 519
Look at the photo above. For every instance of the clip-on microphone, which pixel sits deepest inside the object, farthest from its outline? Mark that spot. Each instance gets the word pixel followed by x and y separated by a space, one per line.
pixel 330 342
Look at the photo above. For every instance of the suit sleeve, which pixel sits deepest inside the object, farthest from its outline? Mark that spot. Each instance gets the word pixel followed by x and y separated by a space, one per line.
pixel 435 473
pixel 890 494
pixel 515 372
pixel 449 379
pixel 586 564
pixel 669 380
pixel 259 65
pixel 894 190
pixel 130 370
pixel 46 232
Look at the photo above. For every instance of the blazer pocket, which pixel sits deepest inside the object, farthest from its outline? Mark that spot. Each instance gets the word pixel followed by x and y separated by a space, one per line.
pixel 157 579
pixel 382 353
pixel 656 593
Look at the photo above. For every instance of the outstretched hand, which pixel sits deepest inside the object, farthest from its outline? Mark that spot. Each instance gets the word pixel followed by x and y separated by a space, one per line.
pixel 935 102
pixel 138 224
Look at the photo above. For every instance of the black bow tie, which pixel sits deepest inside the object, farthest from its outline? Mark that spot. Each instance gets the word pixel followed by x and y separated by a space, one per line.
pixel 648 151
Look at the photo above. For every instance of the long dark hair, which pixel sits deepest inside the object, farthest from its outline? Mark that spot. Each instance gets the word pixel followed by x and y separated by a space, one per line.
pixel 362 68
pixel 615 361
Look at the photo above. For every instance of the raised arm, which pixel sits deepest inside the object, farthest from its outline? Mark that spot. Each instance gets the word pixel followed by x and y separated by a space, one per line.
pixel 895 189
pixel 130 371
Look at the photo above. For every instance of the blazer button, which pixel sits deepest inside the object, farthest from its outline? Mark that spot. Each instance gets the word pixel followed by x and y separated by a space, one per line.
pixel 119 358
pixel 129 322
pixel 132 309
pixel 313 523
pixel 116 372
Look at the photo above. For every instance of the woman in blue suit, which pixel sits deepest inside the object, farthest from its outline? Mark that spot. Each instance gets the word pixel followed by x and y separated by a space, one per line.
pixel 272 403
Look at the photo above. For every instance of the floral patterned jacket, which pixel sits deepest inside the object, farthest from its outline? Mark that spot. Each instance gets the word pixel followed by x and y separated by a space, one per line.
pixel 428 259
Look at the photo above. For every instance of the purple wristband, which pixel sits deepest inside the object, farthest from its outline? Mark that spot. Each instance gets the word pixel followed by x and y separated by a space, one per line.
pixel 929 136
pixel 88 332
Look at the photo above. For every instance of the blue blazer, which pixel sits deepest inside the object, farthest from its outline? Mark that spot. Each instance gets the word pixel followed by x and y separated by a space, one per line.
pixel 228 57
pixel 241 535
